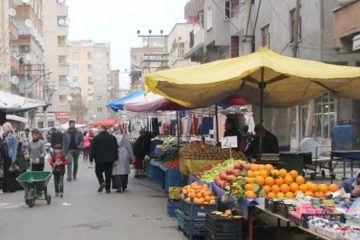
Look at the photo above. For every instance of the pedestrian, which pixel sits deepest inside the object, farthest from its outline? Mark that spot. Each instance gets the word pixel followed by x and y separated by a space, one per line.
pixel 37 151
pixel 59 161
pixel 9 147
pixel 72 145
pixel 26 139
pixel 56 137
pixel 104 150
pixel 121 169
pixel 142 147
pixel 86 146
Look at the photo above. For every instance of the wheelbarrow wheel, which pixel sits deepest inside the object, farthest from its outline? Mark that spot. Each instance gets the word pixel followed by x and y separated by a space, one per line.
pixel 31 203
pixel 48 199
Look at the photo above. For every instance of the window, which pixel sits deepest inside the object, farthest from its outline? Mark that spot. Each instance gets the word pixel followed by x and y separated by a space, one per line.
pixel 63 21
pixel 63 99
pixel 98 66
pixel 63 82
pixel 75 55
pixel 209 19
pixel 40 125
pixel 62 41
pixel 235 7
pixel 98 98
pixel 89 67
pixel 51 124
pixel 90 81
pixel 292 25
pixel 75 67
pixel 98 55
pixel 227 10
pixel 324 115
pixel 99 109
pixel 180 53
pixel 235 42
pixel 265 34
pixel 89 56
pixel 62 61
pixel 75 79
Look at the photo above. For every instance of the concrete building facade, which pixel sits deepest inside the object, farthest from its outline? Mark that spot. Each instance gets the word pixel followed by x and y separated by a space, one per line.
pixel 90 78
pixel 6 28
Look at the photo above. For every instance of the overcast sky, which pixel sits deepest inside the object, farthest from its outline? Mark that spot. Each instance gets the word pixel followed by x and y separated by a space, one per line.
pixel 117 21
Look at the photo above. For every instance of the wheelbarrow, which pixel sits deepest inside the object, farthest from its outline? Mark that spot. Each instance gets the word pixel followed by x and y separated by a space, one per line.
pixel 34 183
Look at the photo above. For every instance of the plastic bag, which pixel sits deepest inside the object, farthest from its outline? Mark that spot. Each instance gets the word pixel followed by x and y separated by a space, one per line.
pixel 14 168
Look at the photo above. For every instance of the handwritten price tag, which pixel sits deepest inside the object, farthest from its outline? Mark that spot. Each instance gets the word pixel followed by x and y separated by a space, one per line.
pixel 229 142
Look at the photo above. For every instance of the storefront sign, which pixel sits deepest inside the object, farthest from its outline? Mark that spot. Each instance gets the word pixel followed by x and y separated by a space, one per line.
pixel 62 115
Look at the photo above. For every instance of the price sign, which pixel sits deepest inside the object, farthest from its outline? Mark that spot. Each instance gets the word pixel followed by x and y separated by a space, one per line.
pixel 229 142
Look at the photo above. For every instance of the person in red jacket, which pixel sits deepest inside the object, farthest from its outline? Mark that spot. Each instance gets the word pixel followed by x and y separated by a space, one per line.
pixel 59 161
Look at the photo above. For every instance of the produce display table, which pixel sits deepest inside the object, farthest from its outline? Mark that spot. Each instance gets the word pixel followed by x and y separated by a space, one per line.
pixel 192 166
pixel 168 177
pixel 192 178
pixel 154 173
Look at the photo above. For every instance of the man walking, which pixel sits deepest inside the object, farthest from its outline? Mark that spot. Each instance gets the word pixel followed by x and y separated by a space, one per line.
pixel 104 150
pixel 56 137
pixel 72 144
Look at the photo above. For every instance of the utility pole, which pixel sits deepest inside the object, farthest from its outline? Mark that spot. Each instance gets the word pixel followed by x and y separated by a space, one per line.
pixel 295 47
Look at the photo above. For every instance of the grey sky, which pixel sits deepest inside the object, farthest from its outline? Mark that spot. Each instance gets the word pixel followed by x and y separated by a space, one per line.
pixel 117 21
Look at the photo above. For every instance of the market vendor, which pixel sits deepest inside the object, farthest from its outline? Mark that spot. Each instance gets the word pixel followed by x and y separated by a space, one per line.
pixel 352 185
pixel 270 143
pixel 142 147
pixel 232 131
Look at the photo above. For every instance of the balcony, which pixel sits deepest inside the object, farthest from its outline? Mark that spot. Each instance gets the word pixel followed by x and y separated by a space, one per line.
pixel 199 41
pixel 14 63
pixel 193 7
pixel 347 21
pixel 25 11
pixel 13 29
pixel 35 35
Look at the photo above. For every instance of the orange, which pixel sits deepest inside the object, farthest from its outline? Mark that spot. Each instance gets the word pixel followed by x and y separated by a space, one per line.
pixel 207 199
pixel 250 180
pixel 304 188
pixel 308 193
pixel 267 188
pixel 333 187
pixel 323 188
pixel 264 173
pixel 279 181
pixel 261 167
pixel 289 195
pixel 309 183
pixel 274 172
pixel 282 173
pixel 294 174
pixel 212 201
pixel 257 173
pixel 271 195
pixel 253 167
pixel 269 181
pixel 191 195
pixel 313 187
pixel 298 192
pixel 250 174
pixel 249 187
pixel 188 200
pixel 284 188
pixel 269 167
pixel 319 194
pixel 288 179
pixel 250 194
pixel 300 180
pixel 275 189
pixel 328 193
pixel 280 195
pixel 199 195
pixel 294 187
pixel 260 180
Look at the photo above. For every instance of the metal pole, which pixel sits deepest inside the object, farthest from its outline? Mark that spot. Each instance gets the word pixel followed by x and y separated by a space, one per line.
pixel 261 86
pixel 217 123
pixel 46 93
pixel 178 121
pixel 26 94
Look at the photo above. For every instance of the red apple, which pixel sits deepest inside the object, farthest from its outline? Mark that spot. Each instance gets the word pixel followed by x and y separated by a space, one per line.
pixel 238 166
pixel 223 176
pixel 229 172
pixel 221 183
pixel 230 178
pixel 236 172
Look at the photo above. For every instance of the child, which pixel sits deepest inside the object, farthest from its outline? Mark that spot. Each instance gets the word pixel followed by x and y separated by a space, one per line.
pixel 61 161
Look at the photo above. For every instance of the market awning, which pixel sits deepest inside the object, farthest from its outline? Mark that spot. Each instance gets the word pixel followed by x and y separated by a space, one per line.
pixel 16 118
pixel 154 102
pixel 107 122
pixel 288 81
pixel 11 103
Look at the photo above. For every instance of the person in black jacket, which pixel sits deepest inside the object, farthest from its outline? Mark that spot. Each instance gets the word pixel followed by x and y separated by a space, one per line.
pixel 104 150
pixel 141 149
pixel 56 137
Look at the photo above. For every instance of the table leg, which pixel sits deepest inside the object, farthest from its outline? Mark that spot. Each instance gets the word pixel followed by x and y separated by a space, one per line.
pixel 352 167
pixel 344 167
pixel 251 221
pixel 330 169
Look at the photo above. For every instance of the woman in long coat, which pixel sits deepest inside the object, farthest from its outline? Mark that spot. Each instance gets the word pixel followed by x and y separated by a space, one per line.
pixel 121 169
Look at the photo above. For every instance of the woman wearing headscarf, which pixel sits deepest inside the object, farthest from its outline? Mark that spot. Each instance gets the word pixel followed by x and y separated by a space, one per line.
pixel 121 169
pixel 9 153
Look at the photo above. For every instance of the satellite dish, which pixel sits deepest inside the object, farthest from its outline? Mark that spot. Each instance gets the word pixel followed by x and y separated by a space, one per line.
pixel 28 57
pixel 69 98
pixel 25 1
pixel 94 116
pixel 14 80
pixel 69 78
pixel 61 1
pixel 62 21
pixel 29 23
pixel 12 12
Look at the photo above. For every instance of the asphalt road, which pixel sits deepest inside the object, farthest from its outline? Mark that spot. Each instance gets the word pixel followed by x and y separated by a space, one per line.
pixel 139 213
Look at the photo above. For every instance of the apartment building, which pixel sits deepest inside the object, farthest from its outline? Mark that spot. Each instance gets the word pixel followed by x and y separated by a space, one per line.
pixel 90 79
pixel 5 28
pixel 56 89
pixel 150 57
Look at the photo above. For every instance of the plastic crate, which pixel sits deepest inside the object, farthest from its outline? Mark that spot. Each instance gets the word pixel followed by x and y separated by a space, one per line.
pixel 180 219
pixel 196 211
pixel 270 205
pixel 154 173
pixel 222 228
pixel 305 218
pixel 175 192
pixel 172 207
pixel 283 209
pixel 173 178
pixel 192 228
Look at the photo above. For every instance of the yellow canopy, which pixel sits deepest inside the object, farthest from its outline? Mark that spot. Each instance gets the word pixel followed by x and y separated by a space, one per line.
pixel 289 81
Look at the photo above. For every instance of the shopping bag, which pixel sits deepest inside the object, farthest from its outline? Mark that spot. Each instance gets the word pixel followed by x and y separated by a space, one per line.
pixel 14 168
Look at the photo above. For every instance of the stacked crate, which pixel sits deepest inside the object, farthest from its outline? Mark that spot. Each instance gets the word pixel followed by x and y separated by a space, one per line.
pixel 173 201
pixel 223 228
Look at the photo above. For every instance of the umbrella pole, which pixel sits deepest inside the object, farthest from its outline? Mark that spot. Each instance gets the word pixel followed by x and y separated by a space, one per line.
pixel 217 123
pixel 261 86
pixel 178 127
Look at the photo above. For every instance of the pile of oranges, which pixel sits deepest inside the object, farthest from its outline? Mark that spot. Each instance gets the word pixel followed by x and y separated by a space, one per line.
pixel 283 184
pixel 198 194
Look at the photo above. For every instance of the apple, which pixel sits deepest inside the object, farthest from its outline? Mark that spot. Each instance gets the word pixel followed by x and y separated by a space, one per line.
pixel 230 178
pixel 229 172
pixel 238 166
pixel 217 178
pixel 236 172
pixel 221 183
pixel 223 176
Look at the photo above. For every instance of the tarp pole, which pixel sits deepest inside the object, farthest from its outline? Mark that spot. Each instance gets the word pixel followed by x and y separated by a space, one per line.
pixel 261 86
pixel 178 120
pixel 217 123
